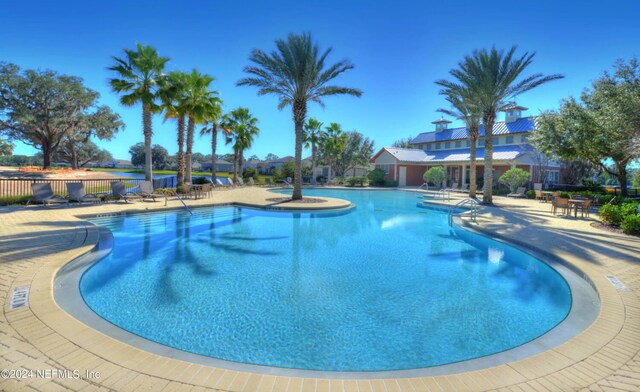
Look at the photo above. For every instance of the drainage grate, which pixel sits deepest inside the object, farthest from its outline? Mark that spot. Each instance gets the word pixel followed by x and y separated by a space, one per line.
pixel 19 298
pixel 616 283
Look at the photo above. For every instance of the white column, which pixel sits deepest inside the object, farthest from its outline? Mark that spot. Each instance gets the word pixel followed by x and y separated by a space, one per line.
pixel 464 176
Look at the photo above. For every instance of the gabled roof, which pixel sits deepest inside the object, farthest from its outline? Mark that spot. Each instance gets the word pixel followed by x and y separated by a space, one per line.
pixel 414 155
pixel 525 124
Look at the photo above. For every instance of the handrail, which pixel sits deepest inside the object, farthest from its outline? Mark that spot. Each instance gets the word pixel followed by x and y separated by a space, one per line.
pixel 473 212
pixel 179 198
pixel 287 183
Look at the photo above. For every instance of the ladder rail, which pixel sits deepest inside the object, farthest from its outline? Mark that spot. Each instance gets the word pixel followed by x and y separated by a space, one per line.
pixel 473 212
pixel 179 198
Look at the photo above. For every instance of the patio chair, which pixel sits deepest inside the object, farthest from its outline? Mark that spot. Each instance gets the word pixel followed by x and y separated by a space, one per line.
pixel 42 193
pixel 560 202
pixel 453 188
pixel 119 192
pixel 146 190
pixel 584 208
pixel 251 182
pixel 240 181
pixel 464 188
pixel 77 193
pixel 539 194
pixel 518 193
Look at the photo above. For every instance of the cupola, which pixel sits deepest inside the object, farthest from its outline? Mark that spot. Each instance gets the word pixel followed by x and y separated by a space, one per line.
pixel 512 111
pixel 441 124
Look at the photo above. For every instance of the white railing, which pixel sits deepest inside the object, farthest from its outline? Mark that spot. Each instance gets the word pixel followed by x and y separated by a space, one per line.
pixel 473 211
pixel 179 198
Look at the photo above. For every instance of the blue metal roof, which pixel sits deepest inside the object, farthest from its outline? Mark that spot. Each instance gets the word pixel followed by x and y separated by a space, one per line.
pixel 525 124
pixel 500 153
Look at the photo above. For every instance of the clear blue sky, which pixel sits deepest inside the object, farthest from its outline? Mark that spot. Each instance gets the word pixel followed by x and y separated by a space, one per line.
pixel 399 49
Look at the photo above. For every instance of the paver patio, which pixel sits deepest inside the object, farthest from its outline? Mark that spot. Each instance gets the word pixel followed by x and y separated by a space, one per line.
pixel 36 242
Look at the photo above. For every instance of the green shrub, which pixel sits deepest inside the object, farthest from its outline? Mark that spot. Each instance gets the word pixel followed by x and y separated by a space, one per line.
pixel 200 180
pixel 565 195
pixel 629 208
pixel 376 177
pixel 514 178
pixel 250 172
pixel 631 224
pixel 391 183
pixel 610 214
pixel 436 175
pixel 530 194
pixel 353 181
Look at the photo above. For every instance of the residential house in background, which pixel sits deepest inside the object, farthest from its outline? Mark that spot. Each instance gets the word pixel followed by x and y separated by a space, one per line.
pixel 117 164
pixel 450 147
pixel 221 166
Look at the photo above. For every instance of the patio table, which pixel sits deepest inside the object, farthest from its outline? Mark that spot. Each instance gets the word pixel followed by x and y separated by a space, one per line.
pixel 547 195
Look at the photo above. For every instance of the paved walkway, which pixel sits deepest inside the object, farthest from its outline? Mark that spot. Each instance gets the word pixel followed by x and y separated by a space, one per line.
pixel 35 243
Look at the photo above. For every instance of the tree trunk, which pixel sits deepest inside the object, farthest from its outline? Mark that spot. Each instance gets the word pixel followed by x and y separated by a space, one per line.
pixel 299 115
pixel 235 165
pixel 487 194
pixel 240 162
pixel 622 178
pixel 190 128
pixel 146 128
pixel 74 158
pixel 214 145
pixel 473 186
pixel 181 150
pixel 46 155
pixel 313 162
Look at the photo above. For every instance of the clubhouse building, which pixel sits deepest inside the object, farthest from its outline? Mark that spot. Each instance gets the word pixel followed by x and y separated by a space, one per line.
pixel 450 148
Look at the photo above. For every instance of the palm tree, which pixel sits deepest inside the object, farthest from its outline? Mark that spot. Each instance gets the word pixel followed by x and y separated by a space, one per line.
pixel 466 110
pixel 312 135
pixel 296 74
pixel 139 79
pixel 490 77
pixel 171 97
pixel 332 144
pixel 199 103
pixel 213 118
pixel 240 129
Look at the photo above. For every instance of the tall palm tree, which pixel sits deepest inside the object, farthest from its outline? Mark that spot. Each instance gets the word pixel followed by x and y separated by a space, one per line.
pixel 199 102
pixel 464 109
pixel 171 97
pixel 139 77
pixel 240 129
pixel 297 74
pixel 213 118
pixel 490 77
pixel 311 137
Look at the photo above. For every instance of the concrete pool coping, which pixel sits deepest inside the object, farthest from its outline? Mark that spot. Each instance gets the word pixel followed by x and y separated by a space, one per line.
pixel 584 309
pixel 37 242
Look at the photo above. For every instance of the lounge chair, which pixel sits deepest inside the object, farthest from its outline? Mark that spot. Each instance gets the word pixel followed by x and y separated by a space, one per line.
pixel 77 193
pixel 119 192
pixel 518 193
pixel 560 202
pixel 42 193
pixel 464 189
pixel 453 188
pixel 240 181
pixel 251 182
pixel 146 190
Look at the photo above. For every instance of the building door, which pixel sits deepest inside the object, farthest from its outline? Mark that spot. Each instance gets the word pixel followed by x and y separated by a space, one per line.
pixel 403 176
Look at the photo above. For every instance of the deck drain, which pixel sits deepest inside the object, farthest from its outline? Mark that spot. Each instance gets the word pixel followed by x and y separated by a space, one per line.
pixel 616 283
pixel 19 298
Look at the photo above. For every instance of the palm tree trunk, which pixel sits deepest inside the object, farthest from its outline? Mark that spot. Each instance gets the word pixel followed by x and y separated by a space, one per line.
pixel 299 115
pixel 146 127
pixel 235 165
pixel 313 162
pixel 240 162
pixel 472 170
pixel 191 125
pixel 181 150
pixel 214 145
pixel 487 194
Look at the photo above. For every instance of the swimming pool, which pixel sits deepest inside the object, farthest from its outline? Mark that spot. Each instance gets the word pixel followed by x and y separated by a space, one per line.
pixel 385 286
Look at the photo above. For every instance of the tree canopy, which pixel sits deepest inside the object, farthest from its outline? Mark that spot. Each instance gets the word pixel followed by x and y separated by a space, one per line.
pixel 603 126
pixel 357 151
pixel 160 156
pixel 42 108
pixel 403 143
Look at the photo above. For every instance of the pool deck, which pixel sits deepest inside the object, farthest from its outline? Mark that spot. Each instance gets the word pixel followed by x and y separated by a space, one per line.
pixel 35 242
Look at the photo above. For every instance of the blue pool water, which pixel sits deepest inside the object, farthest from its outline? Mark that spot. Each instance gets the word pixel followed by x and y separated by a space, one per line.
pixel 386 286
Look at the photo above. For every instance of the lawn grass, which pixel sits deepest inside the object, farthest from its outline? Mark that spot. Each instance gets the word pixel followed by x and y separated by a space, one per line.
pixel 261 178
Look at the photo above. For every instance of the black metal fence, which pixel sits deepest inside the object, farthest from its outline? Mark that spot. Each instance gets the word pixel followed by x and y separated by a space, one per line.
pixel 16 188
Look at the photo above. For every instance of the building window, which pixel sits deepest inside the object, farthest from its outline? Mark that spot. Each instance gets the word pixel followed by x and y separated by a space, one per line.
pixel 428 147
pixel 523 138
pixel 468 143
pixel 553 177
pixel 509 139
pixel 437 146
pixel 510 113
pixel 496 140
pixel 458 144
pixel 386 168
pixel 447 145
pixel 480 142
